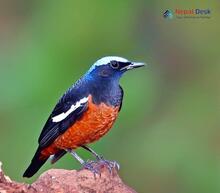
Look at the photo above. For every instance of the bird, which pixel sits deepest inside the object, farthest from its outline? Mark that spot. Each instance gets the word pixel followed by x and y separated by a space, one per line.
pixel 84 114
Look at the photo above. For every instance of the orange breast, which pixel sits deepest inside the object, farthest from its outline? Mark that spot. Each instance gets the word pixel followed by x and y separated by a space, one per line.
pixel 94 123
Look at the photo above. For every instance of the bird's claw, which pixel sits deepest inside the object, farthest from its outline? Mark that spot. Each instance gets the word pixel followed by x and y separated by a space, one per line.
pixel 110 164
pixel 89 165
pixel 95 166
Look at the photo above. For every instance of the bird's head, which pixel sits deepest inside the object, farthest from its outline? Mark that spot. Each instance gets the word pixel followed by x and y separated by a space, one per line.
pixel 112 67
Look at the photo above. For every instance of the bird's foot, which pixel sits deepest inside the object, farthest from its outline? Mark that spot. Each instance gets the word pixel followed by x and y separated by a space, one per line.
pixel 94 168
pixel 110 164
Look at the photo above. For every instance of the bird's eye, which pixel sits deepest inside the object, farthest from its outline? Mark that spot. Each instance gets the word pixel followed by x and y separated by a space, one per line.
pixel 114 64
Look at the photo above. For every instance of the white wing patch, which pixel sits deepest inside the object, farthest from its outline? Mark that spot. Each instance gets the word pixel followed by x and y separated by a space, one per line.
pixel 63 115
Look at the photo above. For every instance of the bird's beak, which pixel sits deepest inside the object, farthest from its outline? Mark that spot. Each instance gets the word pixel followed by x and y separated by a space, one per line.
pixel 133 65
pixel 137 64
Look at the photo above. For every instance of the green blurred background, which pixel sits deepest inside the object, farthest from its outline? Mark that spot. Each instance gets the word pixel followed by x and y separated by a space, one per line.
pixel 167 136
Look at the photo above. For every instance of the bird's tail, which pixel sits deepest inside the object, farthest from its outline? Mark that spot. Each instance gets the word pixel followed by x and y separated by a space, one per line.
pixel 36 164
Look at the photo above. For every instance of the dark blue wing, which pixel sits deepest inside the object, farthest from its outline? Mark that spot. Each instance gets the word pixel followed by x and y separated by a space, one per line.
pixel 52 129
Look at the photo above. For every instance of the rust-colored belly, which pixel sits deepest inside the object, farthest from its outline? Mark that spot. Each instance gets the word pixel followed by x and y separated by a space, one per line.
pixel 94 123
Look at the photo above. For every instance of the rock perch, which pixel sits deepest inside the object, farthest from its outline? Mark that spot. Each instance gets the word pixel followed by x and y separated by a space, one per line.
pixel 62 181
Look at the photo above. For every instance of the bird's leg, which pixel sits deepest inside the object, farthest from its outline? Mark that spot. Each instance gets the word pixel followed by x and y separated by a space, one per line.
pixel 86 165
pixel 110 164
pixel 98 157
pixel 75 155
